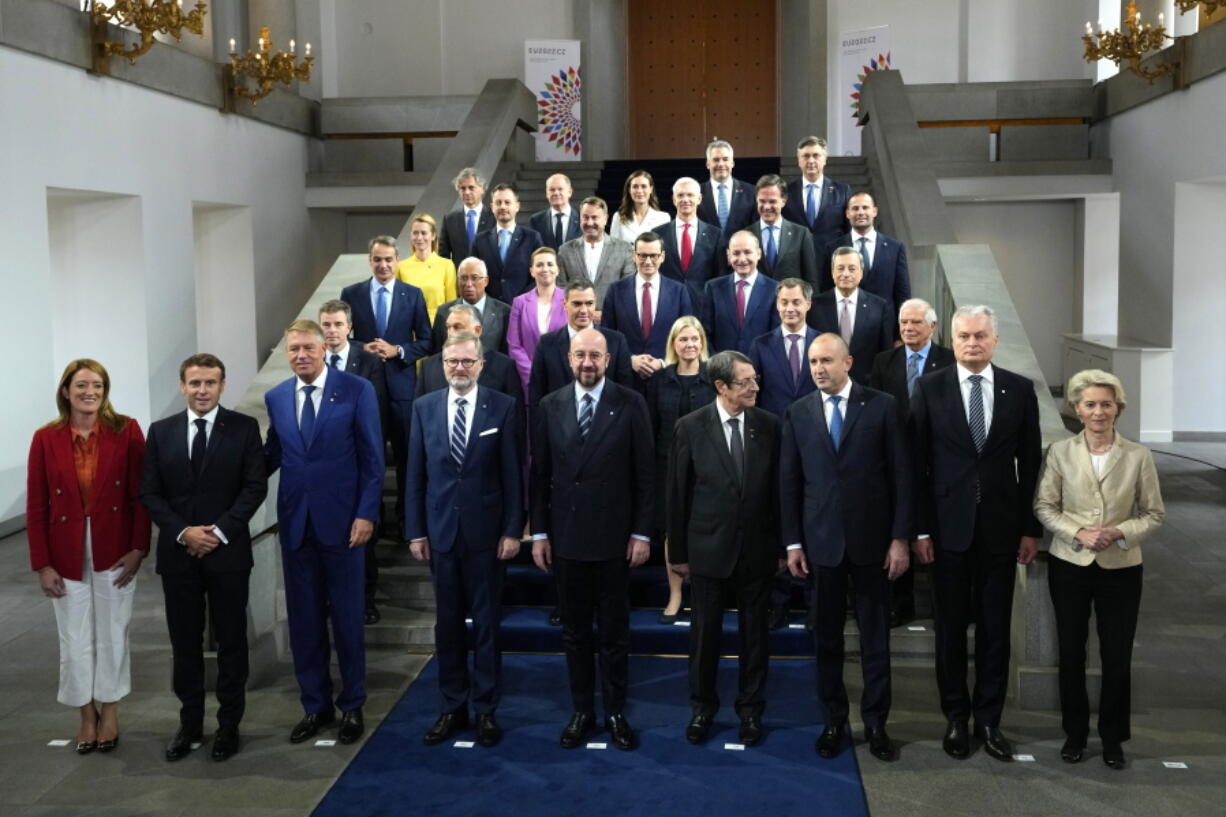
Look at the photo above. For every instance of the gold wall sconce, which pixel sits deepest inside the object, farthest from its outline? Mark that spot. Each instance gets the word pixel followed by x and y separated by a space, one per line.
pixel 252 75
pixel 149 17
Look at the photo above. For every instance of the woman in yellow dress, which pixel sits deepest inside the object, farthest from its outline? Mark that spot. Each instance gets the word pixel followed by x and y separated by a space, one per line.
pixel 425 268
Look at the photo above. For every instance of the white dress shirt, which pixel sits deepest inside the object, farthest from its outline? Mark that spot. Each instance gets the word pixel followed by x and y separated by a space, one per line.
pixel 854 299
pixel 724 417
pixel 870 246
pixel 653 294
pixel 715 194
pixel 591 257
pixel 317 396
pixel 192 431
pixel 679 230
pixel 342 355
pixel 630 230
pixel 985 387
pixel 469 411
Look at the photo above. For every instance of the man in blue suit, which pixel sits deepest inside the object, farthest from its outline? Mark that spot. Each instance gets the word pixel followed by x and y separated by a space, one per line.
pixel 323 433
pixel 692 248
pixel 389 320
pixel 861 318
pixel 727 203
pixel 559 222
pixel 644 307
pixel 778 356
pixel 787 248
pixel 736 308
pixel 816 200
pixel 845 490
pixel 464 514
pixel 507 248
pixel 883 259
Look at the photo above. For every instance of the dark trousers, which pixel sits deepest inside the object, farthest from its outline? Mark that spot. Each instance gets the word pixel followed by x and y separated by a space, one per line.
pixel 227 611
pixel 975 585
pixel 323 584
pixel 587 591
pixel 1115 596
pixel 902 593
pixel 396 431
pixel 752 592
pixel 467 582
pixel 871 595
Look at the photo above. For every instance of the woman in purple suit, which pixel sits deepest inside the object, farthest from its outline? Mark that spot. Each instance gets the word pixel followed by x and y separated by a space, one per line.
pixel 539 310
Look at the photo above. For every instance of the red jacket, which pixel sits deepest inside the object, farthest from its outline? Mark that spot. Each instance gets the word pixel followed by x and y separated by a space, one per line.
pixel 55 520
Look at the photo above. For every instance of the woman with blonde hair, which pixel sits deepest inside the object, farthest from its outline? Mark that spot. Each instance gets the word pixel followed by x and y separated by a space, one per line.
pixel 88 535
pixel 425 268
pixel 1099 497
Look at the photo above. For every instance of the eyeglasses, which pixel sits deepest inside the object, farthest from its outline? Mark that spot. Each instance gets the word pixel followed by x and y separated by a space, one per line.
pixel 460 363
pixel 592 356
pixel 648 256
pixel 744 382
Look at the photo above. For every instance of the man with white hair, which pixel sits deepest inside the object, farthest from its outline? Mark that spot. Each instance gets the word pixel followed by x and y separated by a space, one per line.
pixel 693 248
pixel 727 203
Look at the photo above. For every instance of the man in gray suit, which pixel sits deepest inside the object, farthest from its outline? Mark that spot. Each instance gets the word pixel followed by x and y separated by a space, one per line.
pixel 471 280
pixel 787 247
pixel 597 256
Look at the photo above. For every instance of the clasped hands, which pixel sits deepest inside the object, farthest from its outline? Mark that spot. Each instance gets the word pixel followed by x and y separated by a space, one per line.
pixel 1097 539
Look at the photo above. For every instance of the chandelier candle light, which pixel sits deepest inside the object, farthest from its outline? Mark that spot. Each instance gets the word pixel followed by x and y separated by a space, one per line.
pixel 264 67
pixel 149 17
pixel 1128 44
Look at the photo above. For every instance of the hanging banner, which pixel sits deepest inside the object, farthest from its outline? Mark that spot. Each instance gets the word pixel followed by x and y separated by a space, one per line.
pixel 860 52
pixel 552 73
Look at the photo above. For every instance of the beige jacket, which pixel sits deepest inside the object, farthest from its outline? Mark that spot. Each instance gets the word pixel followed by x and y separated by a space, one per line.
pixel 1070 497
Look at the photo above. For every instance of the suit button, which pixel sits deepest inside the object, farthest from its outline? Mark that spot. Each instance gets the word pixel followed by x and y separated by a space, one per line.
pixel 63 518
pixel 58 492
pixel 114 507
pixel 117 482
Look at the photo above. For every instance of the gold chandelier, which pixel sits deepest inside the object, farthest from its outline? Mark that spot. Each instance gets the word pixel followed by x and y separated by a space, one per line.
pixel 149 17
pixel 253 74
pixel 1128 44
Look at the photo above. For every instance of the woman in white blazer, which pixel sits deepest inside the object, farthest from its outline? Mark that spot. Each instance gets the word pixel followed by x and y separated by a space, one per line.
pixel 1099 497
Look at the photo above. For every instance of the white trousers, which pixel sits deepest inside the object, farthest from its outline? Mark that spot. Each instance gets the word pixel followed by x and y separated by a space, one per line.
pixel 92 618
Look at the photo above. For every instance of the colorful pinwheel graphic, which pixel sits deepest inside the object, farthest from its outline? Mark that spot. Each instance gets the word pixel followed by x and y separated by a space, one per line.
pixel 556 104
pixel 881 63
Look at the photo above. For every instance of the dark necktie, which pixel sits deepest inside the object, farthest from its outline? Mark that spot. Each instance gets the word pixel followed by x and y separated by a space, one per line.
pixel 974 412
pixel 912 373
pixel 811 205
pixel 772 249
pixel 557 229
pixel 306 423
pixel 645 317
pixel 459 432
pixel 199 445
pixel 794 358
pixel 737 448
pixel 585 415
pixel 740 302
pixel 335 360
pixel 836 422
pixel 864 254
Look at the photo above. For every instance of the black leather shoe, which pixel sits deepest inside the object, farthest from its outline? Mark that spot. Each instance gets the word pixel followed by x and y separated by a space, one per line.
pixel 995 743
pixel 84 747
pixel 310 725
pixel 902 615
pixel 352 727
pixel 488 730
pixel 180 745
pixel 777 617
pixel 447 725
pixel 751 730
pixel 1113 756
pixel 372 614
pixel 576 732
pixel 225 743
pixel 1073 751
pixel 699 728
pixel 111 745
pixel 555 617
pixel 879 744
pixel 620 731
pixel 957 741
pixel 830 742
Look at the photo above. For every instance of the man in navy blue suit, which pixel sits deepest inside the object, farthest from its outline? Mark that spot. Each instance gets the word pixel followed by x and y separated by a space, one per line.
pixel 883 259
pixel 559 222
pixel 323 433
pixel 460 227
pixel 692 248
pixel 727 203
pixel 389 320
pixel 644 307
pixel 816 200
pixel 464 515
pixel 738 307
pixel 779 355
pixel 507 248
pixel 845 491
pixel 861 318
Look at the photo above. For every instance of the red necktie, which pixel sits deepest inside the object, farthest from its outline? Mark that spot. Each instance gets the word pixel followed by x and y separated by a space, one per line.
pixel 687 247
pixel 645 317
pixel 740 301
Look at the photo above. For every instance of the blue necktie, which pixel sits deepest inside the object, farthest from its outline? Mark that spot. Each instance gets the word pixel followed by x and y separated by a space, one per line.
pixel 811 205
pixel 772 251
pixel 912 373
pixel 864 254
pixel 504 240
pixel 458 432
pixel 836 422
pixel 381 312
pixel 306 424
pixel 471 227
pixel 722 206
pixel 585 415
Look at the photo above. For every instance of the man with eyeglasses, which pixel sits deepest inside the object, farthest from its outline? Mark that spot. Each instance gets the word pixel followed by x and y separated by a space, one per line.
pixel 471 280
pixel 497 370
pixel 463 514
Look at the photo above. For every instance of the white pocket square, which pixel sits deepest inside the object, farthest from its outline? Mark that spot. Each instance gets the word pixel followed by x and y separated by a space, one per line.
pixel 488 432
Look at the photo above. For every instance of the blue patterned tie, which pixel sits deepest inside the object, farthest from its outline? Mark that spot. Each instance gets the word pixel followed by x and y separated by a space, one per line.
pixel 381 312
pixel 586 410
pixel 504 240
pixel 864 254
pixel 836 422
pixel 306 423
pixel 772 250
pixel 471 227
pixel 912 373
pixel 722 206
pixel 811 205
pixel 974 412
pixel 459 437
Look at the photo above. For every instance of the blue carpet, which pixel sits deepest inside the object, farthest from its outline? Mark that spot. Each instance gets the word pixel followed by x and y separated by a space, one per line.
pixel 530 774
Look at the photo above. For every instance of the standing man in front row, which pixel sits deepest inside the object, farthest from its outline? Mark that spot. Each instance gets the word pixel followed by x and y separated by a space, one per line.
pixel 464 514
pixel 975 428
pixel 593 481
pixel 203 481
pixel 723 532
pixel 323 433
pixel 845 490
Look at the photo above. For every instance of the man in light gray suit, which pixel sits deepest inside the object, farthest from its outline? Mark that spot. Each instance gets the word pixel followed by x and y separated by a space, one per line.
pixel 596 257
pixel 471 281
pixel 793 253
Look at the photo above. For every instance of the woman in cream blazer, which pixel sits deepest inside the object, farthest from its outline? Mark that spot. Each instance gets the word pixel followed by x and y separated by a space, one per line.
pixel 1099 497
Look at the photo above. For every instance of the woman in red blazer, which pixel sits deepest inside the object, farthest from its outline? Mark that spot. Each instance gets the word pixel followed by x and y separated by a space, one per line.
pixel 88 535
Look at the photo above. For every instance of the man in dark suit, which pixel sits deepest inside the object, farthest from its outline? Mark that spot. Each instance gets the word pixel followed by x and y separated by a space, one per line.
pixel 460 227
pixel 464 515
pixel 738 307
pixel 975 428
pixel 336 319
pixel 497 372
pixel 507 248
pixel 861 318
pixel 471 280
pixel 848 513
pixel 816 200
pixel 723 532
pixel 390 321
pixel 883 259
pixel 644 307
pixel 203 480
pixel 895 372
pixel 787 248
pixel 693 249
pixel 323 434
pixel 727 203
pixel 597 257
pixel 593 481
pixel 551 364
pixel 557 223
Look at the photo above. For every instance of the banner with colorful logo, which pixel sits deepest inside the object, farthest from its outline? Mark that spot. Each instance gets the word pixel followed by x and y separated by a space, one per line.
pixel 552 72
pixel 859 53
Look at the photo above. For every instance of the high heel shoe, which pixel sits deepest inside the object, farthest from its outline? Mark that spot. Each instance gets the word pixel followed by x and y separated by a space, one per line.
pixel 84 747
pixel 105 746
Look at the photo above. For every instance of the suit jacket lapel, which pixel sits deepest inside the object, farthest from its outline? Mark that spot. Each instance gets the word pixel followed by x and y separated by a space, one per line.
pixel 603 413
pixel 1002 405
pixel 956 408
pixel 61 445
pixel 715 435
pixel 855 406
pixel 333 391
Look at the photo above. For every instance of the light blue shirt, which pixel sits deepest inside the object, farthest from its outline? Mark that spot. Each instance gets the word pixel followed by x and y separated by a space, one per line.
pixel 923 356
